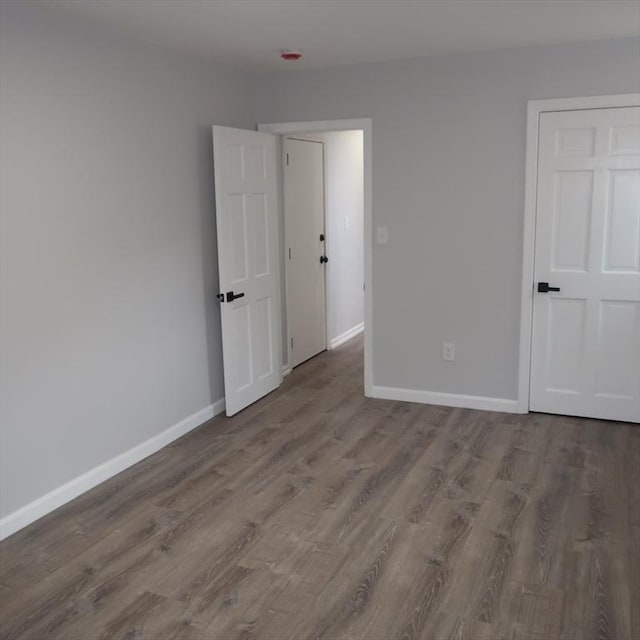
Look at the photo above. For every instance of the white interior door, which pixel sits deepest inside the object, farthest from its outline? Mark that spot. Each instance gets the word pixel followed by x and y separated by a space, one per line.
pixel 247 225
pixel 585 358
pixel 304 237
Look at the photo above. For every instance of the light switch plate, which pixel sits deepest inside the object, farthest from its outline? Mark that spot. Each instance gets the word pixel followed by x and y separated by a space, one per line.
pixel 382 235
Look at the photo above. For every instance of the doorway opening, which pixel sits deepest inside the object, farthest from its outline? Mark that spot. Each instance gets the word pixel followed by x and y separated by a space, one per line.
pixel 325 227
pixel 322 187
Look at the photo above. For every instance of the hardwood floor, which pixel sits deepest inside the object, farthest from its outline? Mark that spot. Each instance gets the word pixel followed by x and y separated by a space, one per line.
pixel 317 513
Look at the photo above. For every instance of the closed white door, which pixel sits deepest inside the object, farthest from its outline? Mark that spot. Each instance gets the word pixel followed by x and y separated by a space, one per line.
pixel 585 358
pixel 247 226
pixel 305 248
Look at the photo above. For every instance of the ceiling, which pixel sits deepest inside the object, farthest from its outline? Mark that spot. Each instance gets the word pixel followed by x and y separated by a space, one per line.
pixel 249 33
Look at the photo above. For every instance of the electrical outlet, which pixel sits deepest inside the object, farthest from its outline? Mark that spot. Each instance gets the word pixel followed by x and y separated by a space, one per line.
pixel 448 351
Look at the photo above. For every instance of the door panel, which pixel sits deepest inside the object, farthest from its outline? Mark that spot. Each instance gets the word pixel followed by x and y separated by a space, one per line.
pixel 572 220
pixel 585 356
pixel 238 222
pixel 258 212
pixel 304 224
pixel 618 349
pixel 622 246
pixel 624 140
pixel 565 344
pixel 245 186
pixel 263 348
pixel 572 142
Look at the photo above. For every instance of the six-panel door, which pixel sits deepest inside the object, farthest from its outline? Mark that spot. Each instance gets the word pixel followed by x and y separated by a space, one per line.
pixel 585 358
pixel 245 187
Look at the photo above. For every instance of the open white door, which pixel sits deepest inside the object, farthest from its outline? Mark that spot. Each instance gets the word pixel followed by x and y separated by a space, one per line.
pixel 245 187
pixel 585 356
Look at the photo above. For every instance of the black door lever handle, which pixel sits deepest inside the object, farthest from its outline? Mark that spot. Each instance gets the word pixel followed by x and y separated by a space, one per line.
pixel 323 259
pixel 543 287
pixel 232 296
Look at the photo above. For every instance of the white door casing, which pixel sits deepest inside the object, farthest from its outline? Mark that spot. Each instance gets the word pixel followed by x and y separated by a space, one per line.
pixel 585 348
pixel 248 263
pixel 303 194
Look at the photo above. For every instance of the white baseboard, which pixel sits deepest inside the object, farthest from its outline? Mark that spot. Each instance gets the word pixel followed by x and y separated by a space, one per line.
pixel 446 399
pixel 346 336
pixel 56 498
pixel 286 370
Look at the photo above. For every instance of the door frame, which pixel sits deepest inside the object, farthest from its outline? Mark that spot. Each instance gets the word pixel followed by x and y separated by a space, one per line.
pixel 365 125
pixel 301 138
pixel 534 109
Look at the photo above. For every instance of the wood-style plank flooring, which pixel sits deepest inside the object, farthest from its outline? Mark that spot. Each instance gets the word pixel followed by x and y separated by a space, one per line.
pixel 317 513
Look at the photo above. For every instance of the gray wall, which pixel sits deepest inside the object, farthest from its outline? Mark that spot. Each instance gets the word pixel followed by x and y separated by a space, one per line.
pixel 344 198
pixel 448 181
pixel 109 326
pixel 109 332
